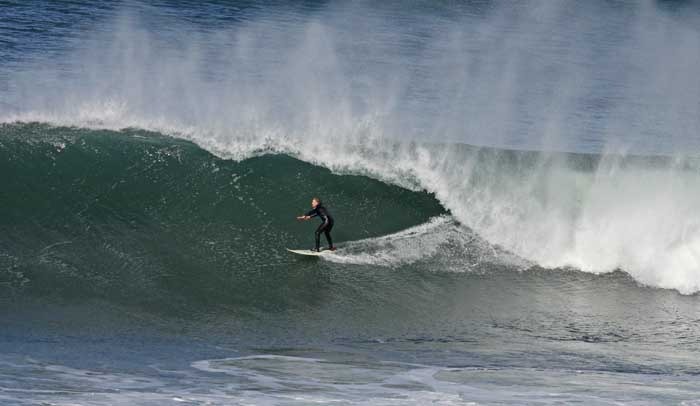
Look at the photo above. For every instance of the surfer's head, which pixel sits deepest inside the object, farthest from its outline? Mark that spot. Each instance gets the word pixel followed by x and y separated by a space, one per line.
pixel 315 202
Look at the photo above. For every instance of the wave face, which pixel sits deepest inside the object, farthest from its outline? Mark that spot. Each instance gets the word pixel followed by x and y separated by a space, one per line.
pixel 391 92
pixel 140 218
pixel 135 216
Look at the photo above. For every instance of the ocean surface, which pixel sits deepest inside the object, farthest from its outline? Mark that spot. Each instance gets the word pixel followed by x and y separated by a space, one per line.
pixel 515 185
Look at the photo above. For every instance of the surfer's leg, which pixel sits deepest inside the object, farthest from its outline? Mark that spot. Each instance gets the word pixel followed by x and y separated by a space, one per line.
pixel 327 232
pixel 319 230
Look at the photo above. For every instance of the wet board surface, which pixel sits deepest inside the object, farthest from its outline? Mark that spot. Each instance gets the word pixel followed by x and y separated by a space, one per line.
pixel 309 253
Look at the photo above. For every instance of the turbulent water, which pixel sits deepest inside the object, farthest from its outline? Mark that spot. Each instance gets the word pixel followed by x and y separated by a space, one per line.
pixel 515 186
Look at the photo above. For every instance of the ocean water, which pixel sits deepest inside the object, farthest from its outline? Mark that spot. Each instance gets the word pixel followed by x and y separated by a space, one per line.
pixel 516 188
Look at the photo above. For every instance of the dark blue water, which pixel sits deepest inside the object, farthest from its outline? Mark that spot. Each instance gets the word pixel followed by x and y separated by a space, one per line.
pixel 515 187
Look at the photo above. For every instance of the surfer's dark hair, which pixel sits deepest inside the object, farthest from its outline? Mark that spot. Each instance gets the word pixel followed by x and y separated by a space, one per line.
pixel 317 199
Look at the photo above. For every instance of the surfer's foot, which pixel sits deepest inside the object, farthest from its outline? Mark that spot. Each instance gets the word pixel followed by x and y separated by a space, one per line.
pixel 331 248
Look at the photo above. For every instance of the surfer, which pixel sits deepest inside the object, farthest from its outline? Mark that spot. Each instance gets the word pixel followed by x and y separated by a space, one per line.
pixel 317 209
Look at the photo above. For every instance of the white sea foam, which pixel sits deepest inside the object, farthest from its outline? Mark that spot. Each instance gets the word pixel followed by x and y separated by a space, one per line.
pixel 330 379
pixel 446 244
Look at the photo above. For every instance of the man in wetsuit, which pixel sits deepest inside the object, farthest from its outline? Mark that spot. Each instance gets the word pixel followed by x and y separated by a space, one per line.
pixel 317 209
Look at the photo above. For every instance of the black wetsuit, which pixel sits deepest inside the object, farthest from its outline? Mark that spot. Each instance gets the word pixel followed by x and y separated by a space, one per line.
pixel 325 227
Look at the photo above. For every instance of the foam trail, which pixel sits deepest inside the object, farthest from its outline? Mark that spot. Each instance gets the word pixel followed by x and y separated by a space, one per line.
pixel 394 101
pixel 448 246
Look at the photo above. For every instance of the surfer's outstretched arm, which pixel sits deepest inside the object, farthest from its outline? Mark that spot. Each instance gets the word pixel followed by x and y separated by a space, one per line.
pixel 308 215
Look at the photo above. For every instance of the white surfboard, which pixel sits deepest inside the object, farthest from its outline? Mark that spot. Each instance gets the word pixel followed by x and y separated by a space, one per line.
pixel 309 252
